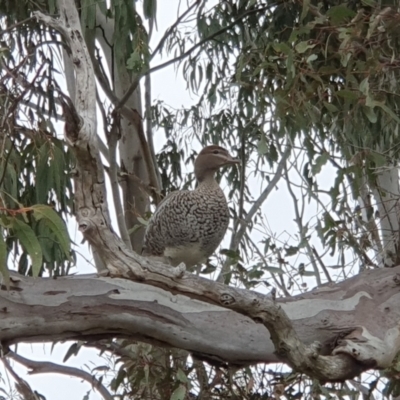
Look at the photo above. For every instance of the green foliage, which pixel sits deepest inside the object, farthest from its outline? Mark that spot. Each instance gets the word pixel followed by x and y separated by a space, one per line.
pixel 41 233
pixel 52 221
pixel 150 8
pixel 29 242
pixel 36 173
pixel 145 369
pixel 179 393
pixel 73 350
pixel 34 163
pixel 88 14
pixel 323 74
pixel 319 75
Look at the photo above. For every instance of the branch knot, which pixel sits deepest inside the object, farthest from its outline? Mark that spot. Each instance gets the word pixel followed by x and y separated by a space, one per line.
pixel 226 299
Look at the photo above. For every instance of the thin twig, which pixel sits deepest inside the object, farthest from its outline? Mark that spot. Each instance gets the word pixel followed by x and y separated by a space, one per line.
pixel 10 28
pixel 371 224
pixel 237 237
pixel 139 76
pixel 355 245
pixel 258 203
pixel 321 263
pixel 281 285
pixel 44 367
pixel 169 31
pixel 242 178
pixel 298 219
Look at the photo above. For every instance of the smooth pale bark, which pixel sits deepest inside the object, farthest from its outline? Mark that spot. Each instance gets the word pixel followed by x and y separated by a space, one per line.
pixel 359 316
pixel 380 214
pixel 386 195
pixel 135 199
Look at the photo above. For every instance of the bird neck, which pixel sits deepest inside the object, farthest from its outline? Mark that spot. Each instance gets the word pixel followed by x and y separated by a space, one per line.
pixel 207 181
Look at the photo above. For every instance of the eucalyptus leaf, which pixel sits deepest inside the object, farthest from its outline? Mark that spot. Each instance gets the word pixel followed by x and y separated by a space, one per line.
pixel 182 376
pixel 56 225
pixel 150 8
pixel 30 243
pixel 179 393
pixel 340 13
pixel 302 47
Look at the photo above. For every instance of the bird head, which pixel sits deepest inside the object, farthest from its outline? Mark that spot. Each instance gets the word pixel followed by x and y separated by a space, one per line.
pixel 210 159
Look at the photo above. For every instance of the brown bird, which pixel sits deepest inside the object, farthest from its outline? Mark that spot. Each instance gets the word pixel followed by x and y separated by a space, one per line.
pixel 188 225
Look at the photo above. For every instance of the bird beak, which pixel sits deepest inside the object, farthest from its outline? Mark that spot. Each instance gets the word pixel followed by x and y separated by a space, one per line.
pixel 231 161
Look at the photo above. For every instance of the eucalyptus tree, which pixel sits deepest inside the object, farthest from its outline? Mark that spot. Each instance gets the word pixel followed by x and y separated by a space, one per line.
pixel 305 93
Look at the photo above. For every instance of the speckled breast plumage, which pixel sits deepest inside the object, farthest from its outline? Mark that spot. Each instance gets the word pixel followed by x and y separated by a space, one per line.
pixel 188 225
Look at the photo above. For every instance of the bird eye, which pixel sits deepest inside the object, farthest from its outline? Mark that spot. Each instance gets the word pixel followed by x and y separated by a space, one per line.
pixel 216 151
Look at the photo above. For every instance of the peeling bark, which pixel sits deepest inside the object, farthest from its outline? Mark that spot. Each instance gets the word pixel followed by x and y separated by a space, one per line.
pixel 358 317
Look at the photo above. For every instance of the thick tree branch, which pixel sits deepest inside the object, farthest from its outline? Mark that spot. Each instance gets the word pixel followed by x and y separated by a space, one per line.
pixel 341 317
pixel 113 137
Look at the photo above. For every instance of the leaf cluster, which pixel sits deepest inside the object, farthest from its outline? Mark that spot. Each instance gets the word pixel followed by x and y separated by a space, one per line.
pixel 35 180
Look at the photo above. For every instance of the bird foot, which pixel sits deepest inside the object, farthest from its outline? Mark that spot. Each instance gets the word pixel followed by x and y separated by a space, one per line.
pixel 179 270
pixel 103 272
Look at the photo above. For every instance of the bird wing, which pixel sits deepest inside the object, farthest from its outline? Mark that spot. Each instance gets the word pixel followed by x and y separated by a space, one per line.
pixel 167 226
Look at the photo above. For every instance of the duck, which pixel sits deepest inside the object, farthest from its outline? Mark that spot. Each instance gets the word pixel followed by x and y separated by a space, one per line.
pixel 188 225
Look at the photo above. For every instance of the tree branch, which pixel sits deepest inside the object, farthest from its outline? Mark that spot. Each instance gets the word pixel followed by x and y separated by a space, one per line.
pixel 149 128
pixel 169 31
pixel 321 263
pixel 113 138
pixel 45 367
pixel 281 285
pixel 299 222
pixel 21 385
pixel 238 236
pixel 187 53
pixel 132 117
pixel 87 308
